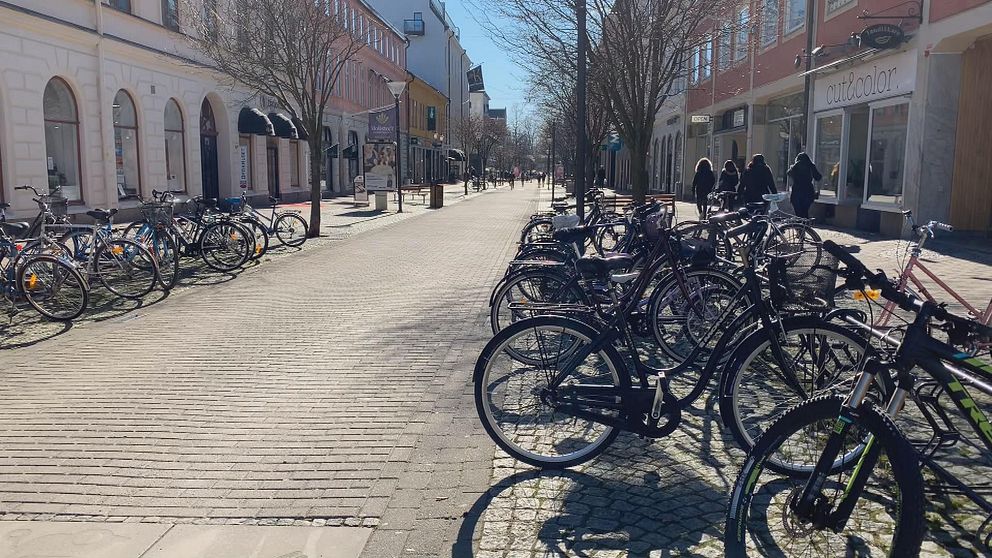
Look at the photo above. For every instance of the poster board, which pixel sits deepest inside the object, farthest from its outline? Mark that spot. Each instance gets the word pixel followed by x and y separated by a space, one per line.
pixel 379 163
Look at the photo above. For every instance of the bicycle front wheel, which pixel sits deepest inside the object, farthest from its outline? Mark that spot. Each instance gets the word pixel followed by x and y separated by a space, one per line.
pixel 887 519
pixel 291 229
pixel 225 246
pixel 52 287
pixel 126 268
pixel 535 421
pixel 261 236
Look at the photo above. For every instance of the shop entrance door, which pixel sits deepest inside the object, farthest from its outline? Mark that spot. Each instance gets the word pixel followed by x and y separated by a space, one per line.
pixel 857 155
pixel 272 160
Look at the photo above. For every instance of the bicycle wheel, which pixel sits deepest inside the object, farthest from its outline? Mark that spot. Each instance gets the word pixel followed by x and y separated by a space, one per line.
pixel 126 268
pixel 608 238
pixel 167 255
pixel 755 389
pixel 260 235
pixel 681 319
pixel 225 246
pixel 536 230
pixel 887 519
pixel 52 287
pixel 291 229
pixel 528 418
pixel 531 286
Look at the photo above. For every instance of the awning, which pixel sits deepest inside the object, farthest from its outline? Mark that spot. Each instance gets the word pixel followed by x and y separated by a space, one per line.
pixel 350 152
pixel 254 121
pixel 332 151
pixel 849 60
pixel 283 126
pixel 301 129
pixel 456 155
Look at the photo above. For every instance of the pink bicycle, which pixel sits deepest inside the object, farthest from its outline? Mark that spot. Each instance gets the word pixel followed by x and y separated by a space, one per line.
pixel 908 276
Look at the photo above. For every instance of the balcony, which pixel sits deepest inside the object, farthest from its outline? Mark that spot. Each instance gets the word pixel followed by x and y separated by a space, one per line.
pixel 413 27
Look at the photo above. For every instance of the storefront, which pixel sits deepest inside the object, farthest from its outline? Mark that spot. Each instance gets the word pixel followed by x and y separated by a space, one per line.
pixel 784 138
pixel 861 125
pixel 730 137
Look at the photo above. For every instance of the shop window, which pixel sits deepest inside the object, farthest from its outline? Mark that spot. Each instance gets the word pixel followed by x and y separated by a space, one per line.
pixel 834 5
pixel 829 130
pixel 887 153
pixel 769 22
pixel 743 33
pixel 244 145
pixel 795 15
pixel 175 147
pixel 62 139
pixel 128 178
pixel 170 14
pixel 122 5
pixel 294 164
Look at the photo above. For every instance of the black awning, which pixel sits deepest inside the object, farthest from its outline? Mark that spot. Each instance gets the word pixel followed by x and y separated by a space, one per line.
pixel 283 126
pixel 254 121
pixel 456 155
pixel 332 151
pixel 300 129
pixel 350 152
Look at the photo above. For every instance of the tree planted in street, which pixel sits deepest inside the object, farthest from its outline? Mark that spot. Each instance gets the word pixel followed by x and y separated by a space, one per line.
pixel 292 51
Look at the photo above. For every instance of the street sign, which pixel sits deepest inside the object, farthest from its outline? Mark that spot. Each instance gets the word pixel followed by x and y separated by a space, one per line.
pixel 701 119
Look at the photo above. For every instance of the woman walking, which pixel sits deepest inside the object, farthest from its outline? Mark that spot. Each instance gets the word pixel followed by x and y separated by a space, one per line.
pixel 803 174
pixel 702 184
pixel 729 178
pixel 756 181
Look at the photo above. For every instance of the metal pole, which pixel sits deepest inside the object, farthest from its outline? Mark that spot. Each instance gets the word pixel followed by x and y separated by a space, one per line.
pixel 580 116
pixel 808 78
pixel 399 160
pixel 554 125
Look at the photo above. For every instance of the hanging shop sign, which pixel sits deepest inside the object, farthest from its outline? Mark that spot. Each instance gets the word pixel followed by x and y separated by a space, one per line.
pixel 382 125
pixel 879 79
pixel 882 36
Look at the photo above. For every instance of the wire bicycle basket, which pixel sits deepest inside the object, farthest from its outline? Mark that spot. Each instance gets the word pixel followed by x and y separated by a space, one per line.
pixel 801 277
pixel 58 206
pixel 156 214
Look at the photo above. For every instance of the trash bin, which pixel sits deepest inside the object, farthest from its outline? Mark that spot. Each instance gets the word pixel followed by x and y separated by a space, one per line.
pixel 437 196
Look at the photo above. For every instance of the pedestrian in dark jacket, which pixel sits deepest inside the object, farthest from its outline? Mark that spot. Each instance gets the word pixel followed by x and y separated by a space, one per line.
pixel 803 174
pixel 756 181
pixel 702 184
pixel 729 178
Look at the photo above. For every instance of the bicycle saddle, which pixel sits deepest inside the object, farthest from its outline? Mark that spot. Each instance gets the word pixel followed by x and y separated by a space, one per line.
pixel 696 251
pixel 16 228
pixel 102 214
pixel 273 199
pixel 4 205
pixel 596 267
pixel 559 205
pixel 756 206
pixel 571 234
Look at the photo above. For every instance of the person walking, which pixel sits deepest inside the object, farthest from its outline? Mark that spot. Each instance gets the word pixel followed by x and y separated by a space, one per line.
pixel 729 178
pixel 600 177
pixel 702 184
pixel 803 174
pixel 756 181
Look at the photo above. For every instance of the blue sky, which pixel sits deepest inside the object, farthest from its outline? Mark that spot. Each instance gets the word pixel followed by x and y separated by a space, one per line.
pixel 502 76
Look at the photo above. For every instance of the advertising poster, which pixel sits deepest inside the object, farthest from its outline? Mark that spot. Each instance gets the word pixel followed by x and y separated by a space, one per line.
pixel 380 167
pixel 361 194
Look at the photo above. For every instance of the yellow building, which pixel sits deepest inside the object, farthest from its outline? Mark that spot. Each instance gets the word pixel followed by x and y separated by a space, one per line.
pixel 426 153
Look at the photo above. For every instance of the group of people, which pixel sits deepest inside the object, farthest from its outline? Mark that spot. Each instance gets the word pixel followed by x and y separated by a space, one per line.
pixel 755 181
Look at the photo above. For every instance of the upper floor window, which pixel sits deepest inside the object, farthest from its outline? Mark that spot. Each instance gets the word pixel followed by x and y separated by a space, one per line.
pixel 122 5
pixel 795 15
pixel 743 33
pixel 769 22
pixel 834 5
pixel 210 17
pixel 706 59
pixel 725 49
pixel 170 14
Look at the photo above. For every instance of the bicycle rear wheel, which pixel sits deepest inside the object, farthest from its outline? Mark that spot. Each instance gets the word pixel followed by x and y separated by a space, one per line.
pixel 52 287
pixel 528 418
pixel 261 237
pixel 291 229
pixel 126 268
pixel 225 246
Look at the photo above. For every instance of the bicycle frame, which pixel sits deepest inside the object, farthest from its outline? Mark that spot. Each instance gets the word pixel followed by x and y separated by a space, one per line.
pixel 908 276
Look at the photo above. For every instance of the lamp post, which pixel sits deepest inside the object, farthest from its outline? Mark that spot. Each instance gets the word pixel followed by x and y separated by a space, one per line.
pixel 397 88
pixel 580 113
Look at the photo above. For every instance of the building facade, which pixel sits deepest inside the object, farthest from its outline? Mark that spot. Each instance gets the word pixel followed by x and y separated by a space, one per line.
pixel 427 123
pixel 884 125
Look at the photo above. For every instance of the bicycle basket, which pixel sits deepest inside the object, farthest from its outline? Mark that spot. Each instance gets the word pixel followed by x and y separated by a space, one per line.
pixel 656 222
pixel 803 278
pixel 559 222
pixel 157 213
pixel 230 205
pixel 57 205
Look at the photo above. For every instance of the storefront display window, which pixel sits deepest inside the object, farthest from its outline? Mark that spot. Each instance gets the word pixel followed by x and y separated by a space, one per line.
pixel 887 153
pixel 128 177
pixel 857 150
pixel 829 130
pixel 62 139
pixel 175 147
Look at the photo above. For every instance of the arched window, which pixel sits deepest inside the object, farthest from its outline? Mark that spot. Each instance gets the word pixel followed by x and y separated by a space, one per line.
pixel 654 165
pixel 126 147
pixel 175 147
pixel 62 139
pixel 669 163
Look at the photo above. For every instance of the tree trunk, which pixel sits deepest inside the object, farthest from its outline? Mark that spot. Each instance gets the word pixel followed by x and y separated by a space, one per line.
pixel 315 161
pixel 639 170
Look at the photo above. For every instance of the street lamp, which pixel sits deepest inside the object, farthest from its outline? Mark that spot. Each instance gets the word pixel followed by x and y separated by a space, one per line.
pixel 397 88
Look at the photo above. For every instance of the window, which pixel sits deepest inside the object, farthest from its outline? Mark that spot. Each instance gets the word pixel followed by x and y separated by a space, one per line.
pixel 887 153
pixel 126 147
pixel 62 139
pixel 175 147
pixel 725 49
pixel 294 164
pixel 795 15
pixel 122 5
pixel 834 5
pixel 694 65
pixel 769 23
pixel 743 34
pixel 829 130
pixel 705 59
pixel 210 17
pixel 244 146
pixel 170 14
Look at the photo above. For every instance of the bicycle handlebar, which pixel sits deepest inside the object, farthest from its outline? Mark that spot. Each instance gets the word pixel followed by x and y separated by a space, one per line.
pixel 940 226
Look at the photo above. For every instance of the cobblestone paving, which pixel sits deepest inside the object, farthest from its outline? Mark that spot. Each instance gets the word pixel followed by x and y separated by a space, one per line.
pixel 330 387
pixel 668 497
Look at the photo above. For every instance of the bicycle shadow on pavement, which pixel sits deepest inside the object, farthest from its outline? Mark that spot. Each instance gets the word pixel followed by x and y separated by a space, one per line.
pixel 27 328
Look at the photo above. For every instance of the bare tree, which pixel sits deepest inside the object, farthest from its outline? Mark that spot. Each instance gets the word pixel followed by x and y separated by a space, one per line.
pixel 290 50
pixel 468 131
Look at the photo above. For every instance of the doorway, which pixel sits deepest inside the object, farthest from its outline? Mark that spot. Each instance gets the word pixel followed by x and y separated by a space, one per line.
pixel 208 152
pixel 272 165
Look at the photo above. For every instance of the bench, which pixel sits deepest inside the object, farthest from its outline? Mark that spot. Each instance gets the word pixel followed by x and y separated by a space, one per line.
pixel 416 190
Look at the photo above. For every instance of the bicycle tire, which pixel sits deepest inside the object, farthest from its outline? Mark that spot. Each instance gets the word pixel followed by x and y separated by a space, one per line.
pixel 260 235
pixel 130 258
pixel 584 333
pixel 167 252
pixel 225 246
pixel 910 527
pixel 543 281
pixel 537 228
pixel 287 225
pixel 60 271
